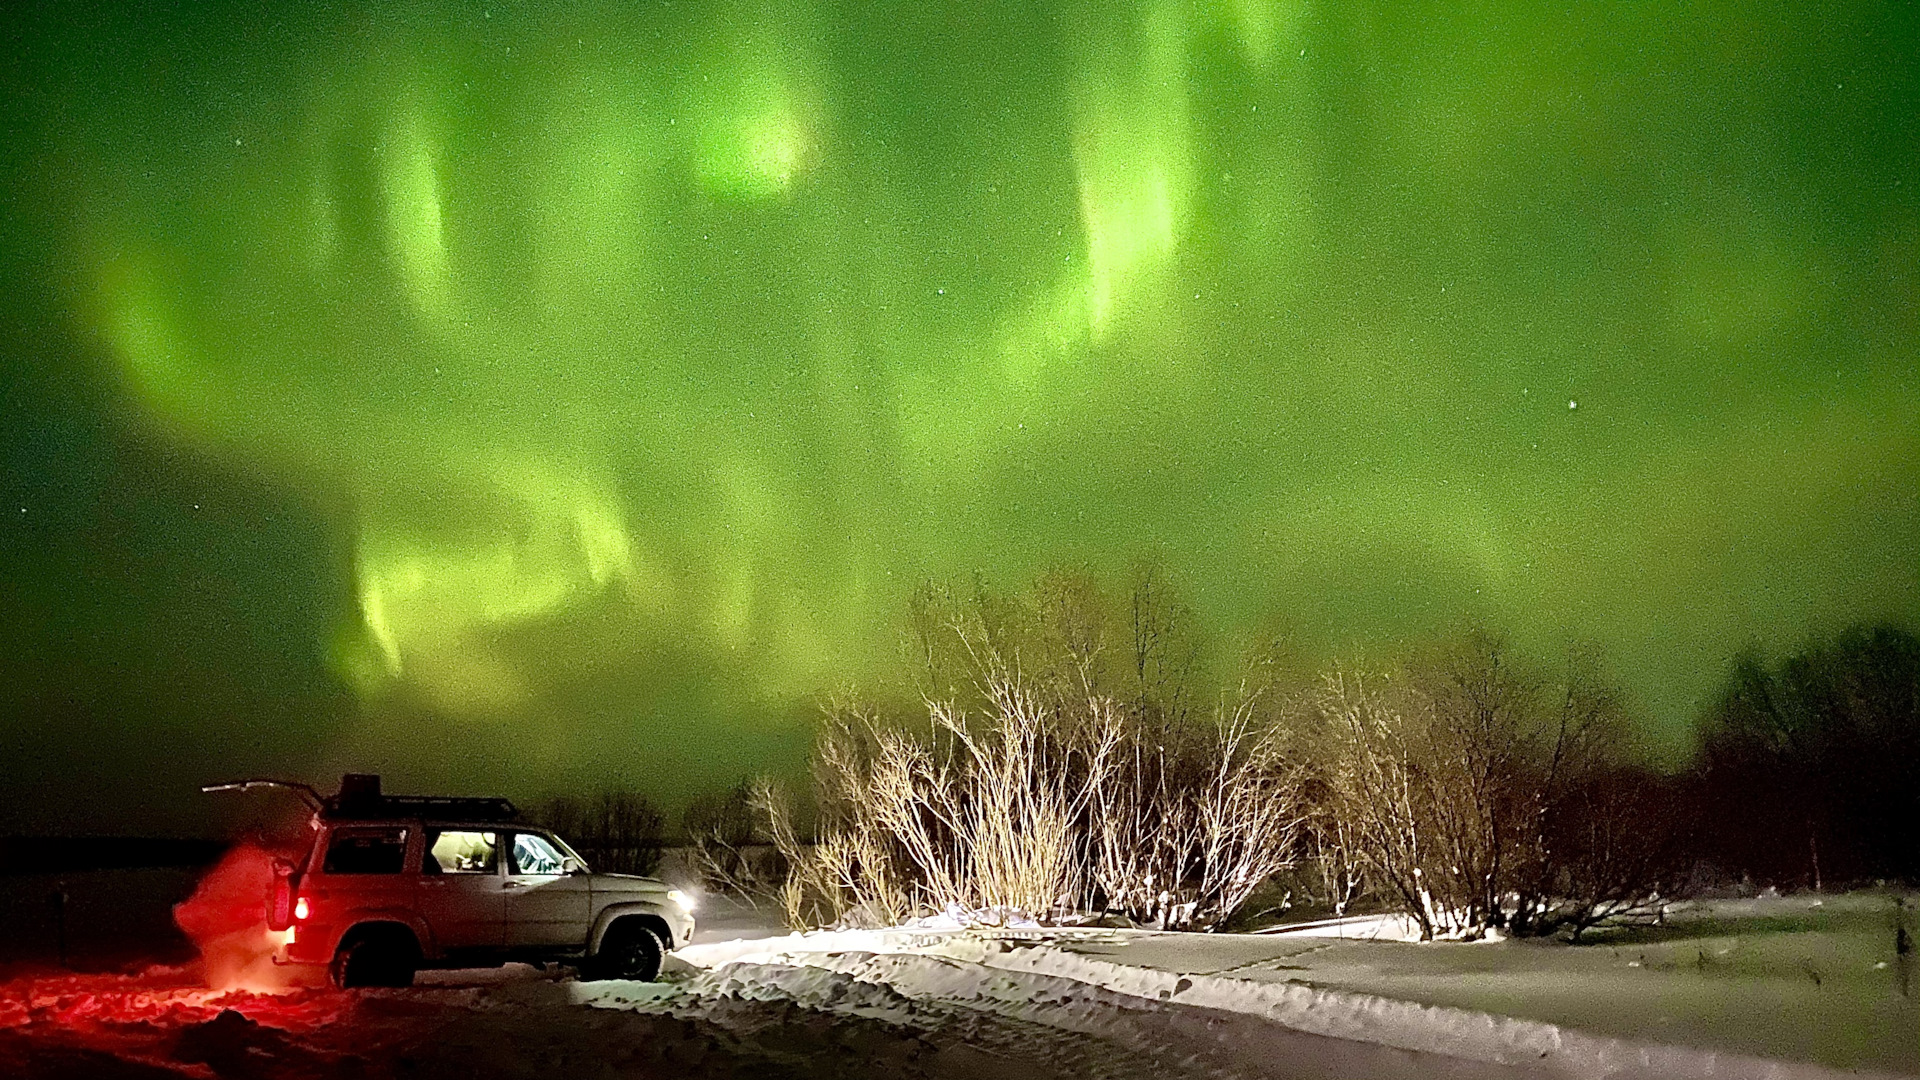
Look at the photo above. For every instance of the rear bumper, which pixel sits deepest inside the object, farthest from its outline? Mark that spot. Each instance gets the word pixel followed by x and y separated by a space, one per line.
pixel 302 946
pixel 282 961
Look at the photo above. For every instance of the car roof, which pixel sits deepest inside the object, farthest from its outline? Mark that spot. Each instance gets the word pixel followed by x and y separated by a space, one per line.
pixel 429 808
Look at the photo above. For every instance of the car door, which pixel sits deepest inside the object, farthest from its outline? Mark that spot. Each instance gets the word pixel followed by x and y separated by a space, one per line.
pixel 460 892
pixel 547 908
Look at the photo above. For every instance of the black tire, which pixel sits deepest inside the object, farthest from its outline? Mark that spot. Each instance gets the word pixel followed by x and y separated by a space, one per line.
pixel 631 950
pixel 375 958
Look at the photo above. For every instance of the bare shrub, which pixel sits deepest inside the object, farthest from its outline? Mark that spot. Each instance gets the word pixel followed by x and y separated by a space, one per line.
pixel 1192 817
pixel 1474 798
pixel 620 832
pixel 1043 780
pixel 846 875
pixel 1622 844
pixel 980 815
pixel 727 845
pixel 1378 784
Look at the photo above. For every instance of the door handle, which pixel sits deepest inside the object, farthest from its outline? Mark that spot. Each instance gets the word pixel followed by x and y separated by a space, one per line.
pixel 512 884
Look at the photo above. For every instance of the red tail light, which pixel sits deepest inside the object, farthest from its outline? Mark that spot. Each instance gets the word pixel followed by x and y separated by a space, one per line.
pixel 282 908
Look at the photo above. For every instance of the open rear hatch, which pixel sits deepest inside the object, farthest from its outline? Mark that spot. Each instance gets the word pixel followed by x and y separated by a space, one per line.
pixel 286 873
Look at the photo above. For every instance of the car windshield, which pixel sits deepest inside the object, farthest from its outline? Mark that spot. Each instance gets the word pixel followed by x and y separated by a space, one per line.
pixel 565 849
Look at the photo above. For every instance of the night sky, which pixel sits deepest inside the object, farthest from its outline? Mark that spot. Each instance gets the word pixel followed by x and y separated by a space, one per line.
pixel 524 396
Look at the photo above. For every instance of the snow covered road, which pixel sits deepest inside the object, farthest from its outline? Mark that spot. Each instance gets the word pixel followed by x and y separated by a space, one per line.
pixel 742 1020
pixel 1227 1025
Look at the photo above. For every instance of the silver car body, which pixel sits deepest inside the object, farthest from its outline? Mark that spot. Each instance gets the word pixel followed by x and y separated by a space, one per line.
pixel 486 914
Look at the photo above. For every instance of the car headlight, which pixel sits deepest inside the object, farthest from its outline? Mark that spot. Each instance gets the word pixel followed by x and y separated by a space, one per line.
pixel 681 898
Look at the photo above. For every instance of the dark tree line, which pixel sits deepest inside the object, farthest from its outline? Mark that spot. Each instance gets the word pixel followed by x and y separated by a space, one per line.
pixel 1809 767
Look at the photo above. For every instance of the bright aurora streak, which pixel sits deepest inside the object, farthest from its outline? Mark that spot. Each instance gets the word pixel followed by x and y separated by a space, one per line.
pixel 588 387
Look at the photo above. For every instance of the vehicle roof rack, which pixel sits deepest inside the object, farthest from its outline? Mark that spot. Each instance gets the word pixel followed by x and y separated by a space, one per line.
pixel 360 799
pixel 431 807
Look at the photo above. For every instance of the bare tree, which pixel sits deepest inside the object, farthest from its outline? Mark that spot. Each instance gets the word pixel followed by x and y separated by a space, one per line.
pixel 1482 717
pixel 1623 847
pixel 1032 785
pixel 1822 745
pixel 726 844
pixel 1377 784
pixel 1473 805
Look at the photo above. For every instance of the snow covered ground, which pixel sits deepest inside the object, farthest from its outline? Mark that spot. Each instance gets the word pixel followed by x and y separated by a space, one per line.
pixel 742 1020
pixel 1780 987
pixel 1807 978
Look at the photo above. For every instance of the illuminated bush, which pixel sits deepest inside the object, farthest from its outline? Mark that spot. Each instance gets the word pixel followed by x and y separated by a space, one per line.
pixel 1052 773
pixel 1472 796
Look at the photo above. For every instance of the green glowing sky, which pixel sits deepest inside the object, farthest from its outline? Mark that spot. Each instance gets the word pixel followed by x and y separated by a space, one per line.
pixel 526 394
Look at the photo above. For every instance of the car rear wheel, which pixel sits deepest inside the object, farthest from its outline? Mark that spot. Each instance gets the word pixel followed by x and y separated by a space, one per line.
pixel 375 958
pixel 630 950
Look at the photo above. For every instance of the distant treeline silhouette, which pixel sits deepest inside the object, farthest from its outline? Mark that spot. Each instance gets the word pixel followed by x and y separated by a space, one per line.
pixel 1809 767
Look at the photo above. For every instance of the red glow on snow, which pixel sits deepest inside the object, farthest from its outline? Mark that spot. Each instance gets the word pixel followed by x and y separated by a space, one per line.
pixel 158 1023
pixel 226 917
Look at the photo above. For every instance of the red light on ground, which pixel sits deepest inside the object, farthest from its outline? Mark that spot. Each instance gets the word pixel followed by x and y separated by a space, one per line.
pixel 300 909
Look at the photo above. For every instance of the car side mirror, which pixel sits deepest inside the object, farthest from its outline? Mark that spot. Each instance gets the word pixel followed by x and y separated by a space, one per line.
pixel 571 865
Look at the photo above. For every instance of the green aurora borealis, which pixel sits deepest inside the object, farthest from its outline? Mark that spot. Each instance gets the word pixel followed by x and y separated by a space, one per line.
pixel 506 394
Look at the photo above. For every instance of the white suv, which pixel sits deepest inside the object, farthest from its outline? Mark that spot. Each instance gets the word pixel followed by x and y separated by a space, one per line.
pixel 395 883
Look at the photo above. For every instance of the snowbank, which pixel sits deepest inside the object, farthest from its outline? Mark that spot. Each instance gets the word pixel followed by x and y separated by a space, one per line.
pixel 1019 974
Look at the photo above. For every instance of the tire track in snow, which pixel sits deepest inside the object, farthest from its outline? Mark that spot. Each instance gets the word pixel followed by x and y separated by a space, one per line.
pixel 1057 1027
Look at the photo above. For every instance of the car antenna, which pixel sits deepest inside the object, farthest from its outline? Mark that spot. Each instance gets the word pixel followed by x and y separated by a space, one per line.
pixel 304 791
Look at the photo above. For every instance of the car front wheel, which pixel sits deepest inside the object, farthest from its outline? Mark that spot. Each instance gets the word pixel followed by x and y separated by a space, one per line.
pixel 630 951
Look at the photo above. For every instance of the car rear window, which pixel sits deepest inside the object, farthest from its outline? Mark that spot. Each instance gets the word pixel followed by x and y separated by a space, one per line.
pixel 461 851
pixel 366 851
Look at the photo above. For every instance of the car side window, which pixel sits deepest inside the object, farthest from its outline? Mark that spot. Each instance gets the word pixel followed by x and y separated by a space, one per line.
pixel 532 854
pixel 458 851
pixel 373 850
